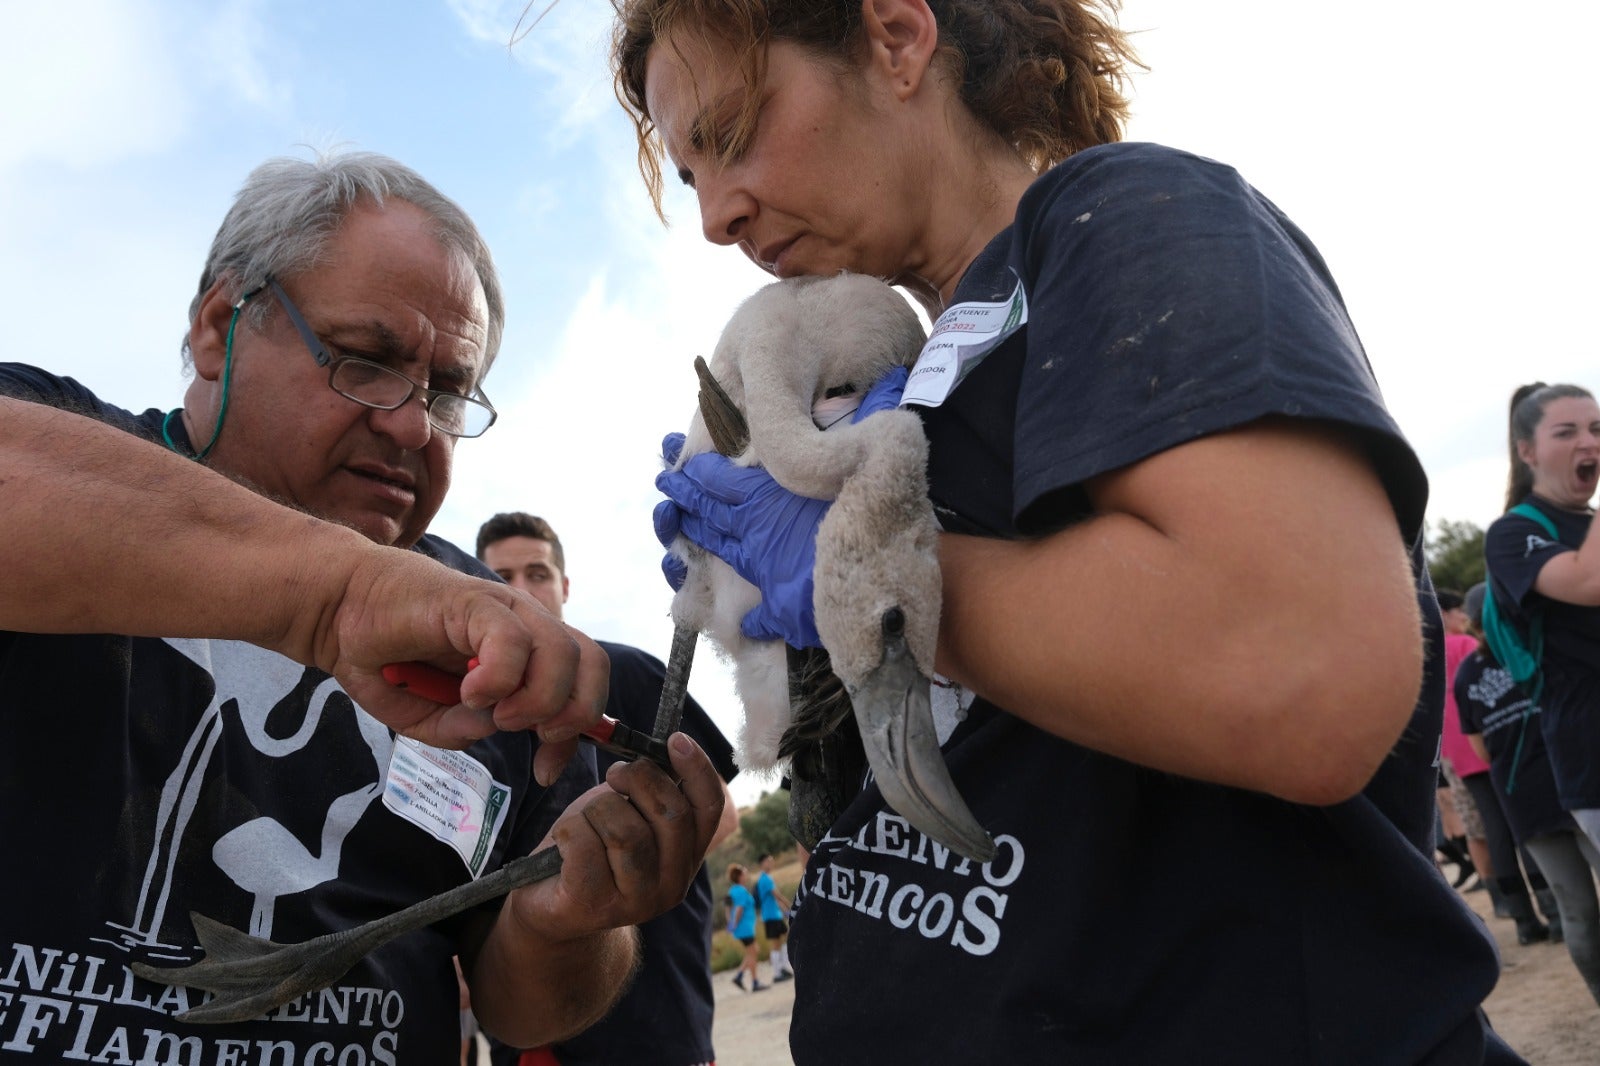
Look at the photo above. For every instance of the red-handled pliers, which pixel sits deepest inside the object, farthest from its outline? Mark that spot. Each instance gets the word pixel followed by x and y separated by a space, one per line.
pixel 608 734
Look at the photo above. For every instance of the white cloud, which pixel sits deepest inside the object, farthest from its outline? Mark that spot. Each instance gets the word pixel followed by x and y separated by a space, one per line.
pixel 1440 174
pixel 564 44
pixel 539 203
pixel 86 84
pixel 485 20
pixel 580 443
pixel 233 46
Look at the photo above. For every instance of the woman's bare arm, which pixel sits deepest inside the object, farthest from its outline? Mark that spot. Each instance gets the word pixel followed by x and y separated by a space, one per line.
pixel 1241 610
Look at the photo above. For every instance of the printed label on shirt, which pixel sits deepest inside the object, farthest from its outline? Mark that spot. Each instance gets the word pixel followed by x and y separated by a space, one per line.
pixel 961 337
pixel 450 795
pixel 908 884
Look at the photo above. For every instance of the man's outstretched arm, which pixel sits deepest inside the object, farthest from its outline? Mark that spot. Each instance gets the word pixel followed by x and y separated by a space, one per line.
pixel 108 533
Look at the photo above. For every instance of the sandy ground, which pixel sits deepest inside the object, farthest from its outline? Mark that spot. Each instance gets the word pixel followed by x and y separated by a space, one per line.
pixel 1540 1007
pixel 752 1028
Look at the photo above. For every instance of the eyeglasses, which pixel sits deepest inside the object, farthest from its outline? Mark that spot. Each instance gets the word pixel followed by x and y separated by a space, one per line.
pixel 385 388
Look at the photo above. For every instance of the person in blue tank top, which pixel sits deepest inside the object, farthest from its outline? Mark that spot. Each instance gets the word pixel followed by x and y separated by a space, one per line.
pixel 1208 777
pixel 742 924
pixel 774 919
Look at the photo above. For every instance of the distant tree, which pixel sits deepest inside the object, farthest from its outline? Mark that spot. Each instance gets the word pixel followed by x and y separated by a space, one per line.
pixel 766 826
pixel 1455 555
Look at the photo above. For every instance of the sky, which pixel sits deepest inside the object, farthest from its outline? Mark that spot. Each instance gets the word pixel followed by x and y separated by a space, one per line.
pixel 1434 152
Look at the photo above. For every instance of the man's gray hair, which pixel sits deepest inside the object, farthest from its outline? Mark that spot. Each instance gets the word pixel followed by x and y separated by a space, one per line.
pixel 288 209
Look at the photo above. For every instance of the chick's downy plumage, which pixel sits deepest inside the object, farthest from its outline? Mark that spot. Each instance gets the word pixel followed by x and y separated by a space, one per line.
pixel 795 359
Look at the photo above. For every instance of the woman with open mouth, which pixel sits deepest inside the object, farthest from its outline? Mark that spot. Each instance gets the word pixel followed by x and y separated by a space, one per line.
pixel 1544 573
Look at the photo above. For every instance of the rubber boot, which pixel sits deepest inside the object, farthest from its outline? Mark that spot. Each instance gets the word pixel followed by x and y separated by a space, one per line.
pixel 1551 912
pixel 1530 930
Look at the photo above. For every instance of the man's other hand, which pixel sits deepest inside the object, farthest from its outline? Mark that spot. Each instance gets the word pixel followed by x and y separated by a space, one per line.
pixel 630 848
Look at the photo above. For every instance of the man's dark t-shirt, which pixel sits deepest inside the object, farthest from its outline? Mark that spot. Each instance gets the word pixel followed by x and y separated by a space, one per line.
pixel 142 779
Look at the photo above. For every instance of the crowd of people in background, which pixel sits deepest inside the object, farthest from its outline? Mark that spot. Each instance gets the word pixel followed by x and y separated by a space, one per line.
pixel 1491 852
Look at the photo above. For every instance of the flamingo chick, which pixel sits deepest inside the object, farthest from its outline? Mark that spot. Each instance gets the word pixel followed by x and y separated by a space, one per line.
pixel 796 357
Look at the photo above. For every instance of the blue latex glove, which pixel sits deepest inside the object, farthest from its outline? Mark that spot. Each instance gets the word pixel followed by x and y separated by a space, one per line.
pixel 761 529
pixel 666 518
pixel 884 395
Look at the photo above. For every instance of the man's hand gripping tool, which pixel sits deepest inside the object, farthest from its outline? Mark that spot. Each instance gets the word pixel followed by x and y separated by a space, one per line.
pixel 608 734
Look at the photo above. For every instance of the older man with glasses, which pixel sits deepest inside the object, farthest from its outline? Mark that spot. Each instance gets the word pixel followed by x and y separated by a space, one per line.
pixel 193 628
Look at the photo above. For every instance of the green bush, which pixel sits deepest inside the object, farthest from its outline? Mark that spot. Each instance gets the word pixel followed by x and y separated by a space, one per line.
pixel 766 826
pixel 1455 555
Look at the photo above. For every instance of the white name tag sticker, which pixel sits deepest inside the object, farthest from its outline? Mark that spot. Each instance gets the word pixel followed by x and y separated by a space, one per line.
pixel 961 337
pixel 448 794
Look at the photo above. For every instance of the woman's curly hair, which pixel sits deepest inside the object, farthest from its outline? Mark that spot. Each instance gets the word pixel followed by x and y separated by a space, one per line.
pixel 1046 75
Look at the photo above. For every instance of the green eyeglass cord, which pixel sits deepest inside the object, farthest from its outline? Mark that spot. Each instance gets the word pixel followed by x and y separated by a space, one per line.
pixel 227 379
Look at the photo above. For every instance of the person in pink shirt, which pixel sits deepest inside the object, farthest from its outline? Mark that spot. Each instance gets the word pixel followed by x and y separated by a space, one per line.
pixel 1458 644
pixel 1489 838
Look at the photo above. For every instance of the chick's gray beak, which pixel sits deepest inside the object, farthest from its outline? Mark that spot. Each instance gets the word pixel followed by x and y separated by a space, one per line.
pixel 895 716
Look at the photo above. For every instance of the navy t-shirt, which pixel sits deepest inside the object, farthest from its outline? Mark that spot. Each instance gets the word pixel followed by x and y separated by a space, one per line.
pixel 1516 549
pixel 1133 916
pixel 1494 705
pixel 144 778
